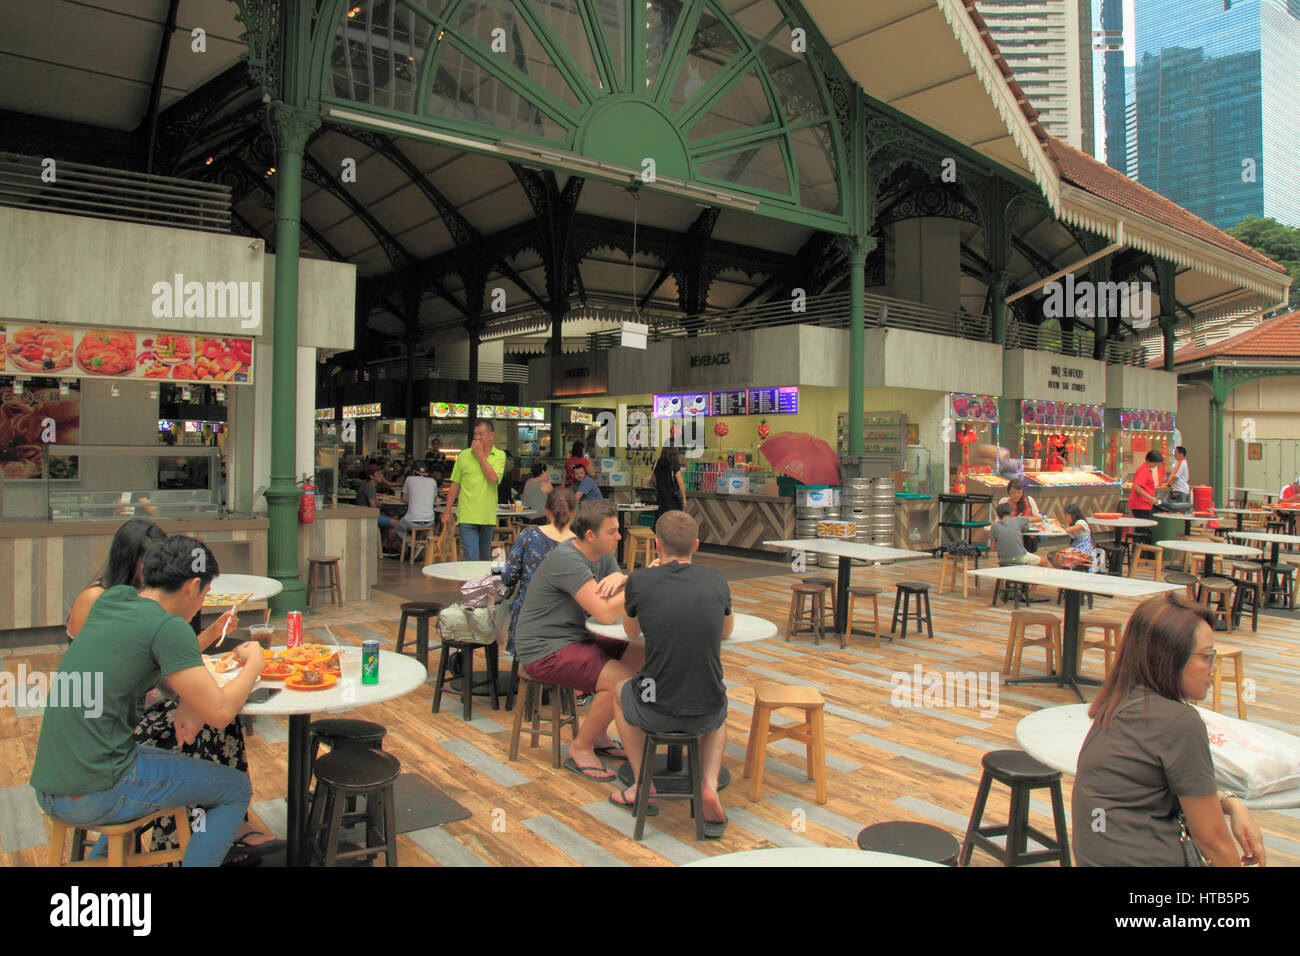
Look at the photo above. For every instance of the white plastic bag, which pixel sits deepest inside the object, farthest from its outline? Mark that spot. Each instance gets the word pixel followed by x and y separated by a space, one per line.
pixel 1248 762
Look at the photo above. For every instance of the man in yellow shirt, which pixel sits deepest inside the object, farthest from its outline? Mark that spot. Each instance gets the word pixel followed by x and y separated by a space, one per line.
pixel 477 473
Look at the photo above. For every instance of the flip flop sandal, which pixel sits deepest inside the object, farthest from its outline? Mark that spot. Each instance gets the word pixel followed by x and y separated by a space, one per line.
pixel 714 831
pixel 651 810
pixel 571 764
pixel 610 751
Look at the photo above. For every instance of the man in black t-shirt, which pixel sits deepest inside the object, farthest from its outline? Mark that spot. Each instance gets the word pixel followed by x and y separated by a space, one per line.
pixel 684 611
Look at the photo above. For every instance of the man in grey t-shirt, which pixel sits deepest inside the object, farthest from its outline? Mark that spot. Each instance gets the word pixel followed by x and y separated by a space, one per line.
pixel 580 578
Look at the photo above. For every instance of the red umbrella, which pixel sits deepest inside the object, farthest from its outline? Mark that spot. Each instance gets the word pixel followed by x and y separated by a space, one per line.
pixel 802 457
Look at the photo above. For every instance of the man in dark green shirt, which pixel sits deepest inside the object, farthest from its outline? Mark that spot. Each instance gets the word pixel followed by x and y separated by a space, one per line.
pixel 88 768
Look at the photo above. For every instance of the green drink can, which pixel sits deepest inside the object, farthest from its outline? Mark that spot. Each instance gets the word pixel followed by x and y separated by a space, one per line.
pixel 370 662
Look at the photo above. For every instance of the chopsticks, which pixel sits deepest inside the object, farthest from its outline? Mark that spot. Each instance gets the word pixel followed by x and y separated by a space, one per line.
pixel 226 627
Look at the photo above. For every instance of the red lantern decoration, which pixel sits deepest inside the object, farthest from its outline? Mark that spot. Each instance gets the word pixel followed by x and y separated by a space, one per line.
pixel 764 430
pixel 721 429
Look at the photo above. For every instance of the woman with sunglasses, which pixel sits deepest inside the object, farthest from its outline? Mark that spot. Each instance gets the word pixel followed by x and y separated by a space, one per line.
pixel 1145 773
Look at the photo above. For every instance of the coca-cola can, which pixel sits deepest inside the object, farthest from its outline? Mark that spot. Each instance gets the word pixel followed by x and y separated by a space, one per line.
pixel 295 629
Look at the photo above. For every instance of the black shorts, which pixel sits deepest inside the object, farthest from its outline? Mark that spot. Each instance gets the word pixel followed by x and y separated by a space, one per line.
pixel 647 716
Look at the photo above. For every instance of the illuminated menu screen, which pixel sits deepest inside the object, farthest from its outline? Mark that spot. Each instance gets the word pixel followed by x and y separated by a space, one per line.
pixel 774 401
pixel 676 406
pixel 729 403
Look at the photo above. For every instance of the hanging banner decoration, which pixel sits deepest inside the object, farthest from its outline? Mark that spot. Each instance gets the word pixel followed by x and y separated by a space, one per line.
pixel 80 352
pixel 1060 414
pixel 1145 420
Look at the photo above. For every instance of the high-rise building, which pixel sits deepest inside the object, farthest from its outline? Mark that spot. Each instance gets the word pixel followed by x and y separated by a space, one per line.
pixel 1116 91
pixel 1218 118
pixel 1048 45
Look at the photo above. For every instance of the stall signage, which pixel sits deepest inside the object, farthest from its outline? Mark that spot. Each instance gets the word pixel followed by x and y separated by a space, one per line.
pixel 707 362
pixel 38 414
pixel 579 374
pixel 461 410
pixel 582 418
pixel 77 352
pixel 324 414
pixel 368 410
pixel 752 401
pixel 1067 378
pixel 973 408
pixel 1145 420
pixel 1061 414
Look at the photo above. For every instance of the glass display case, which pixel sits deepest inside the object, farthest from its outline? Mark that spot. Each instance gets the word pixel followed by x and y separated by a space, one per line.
pixel 110 482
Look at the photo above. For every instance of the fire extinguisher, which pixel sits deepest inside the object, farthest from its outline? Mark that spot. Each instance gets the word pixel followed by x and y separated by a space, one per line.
pixel 307 503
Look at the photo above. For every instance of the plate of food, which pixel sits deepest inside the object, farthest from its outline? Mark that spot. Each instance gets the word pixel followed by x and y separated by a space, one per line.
pixel 40 349
pixel 330 665
pixel 105 352
pixel 311 680
pixel 277 669
pixel 305 654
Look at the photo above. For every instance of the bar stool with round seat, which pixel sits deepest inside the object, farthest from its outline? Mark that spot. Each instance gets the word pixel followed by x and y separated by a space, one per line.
pixel 1216 594
pixel 1023 774
pixel 769 697
pixel 807 599
pixel 863 592
pixel 694 792
pixel 124 848
pixel 1248 590
pixel 1112 632
pixel 830 584
pixel 948 570
pixel 1017 639
pixel 920 841
pixel 348 773
pixel 467 647
pixel 339 732
pixel 330 565
pixel 422 611
pixel 642 545
pixel 1186 579
pixel 1237 679
pixel 564 713
pixel 1148 556
pixel 904 592
pixel 1116 557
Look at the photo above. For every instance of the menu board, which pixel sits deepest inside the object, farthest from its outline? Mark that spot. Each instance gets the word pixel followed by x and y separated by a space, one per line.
pixel 461 410
pixel 71 352
pixel 729 403
pixel 324 414
pixel 687 403
pixel 974 408
pixel 774 401
pixel 1145 420
pixel 1060 414
pixel 368 410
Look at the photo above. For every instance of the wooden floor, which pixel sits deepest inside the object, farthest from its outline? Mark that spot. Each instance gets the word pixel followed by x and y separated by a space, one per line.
pixel 885 762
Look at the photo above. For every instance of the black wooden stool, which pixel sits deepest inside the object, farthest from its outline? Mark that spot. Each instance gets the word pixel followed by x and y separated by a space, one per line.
pixel 564 713
pixel 330 566
pixel 905 591
pixel 1278 583
pixel 1023 774
pixel 920 841
pixel 340 732
pixel 1017 592
pixel 421 611
pixel 1116 557
pixel 646 774
pixel 1251 590
pixel 830 585
pixel 467 648
pixel 354 772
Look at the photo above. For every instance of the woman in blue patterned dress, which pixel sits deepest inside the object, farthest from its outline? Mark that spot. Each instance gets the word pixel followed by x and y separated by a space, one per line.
pixel 533 544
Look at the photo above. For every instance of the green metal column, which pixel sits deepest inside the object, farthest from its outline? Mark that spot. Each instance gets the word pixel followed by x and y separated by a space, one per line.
pixel 1220 396
pixel 293 126
pixel 999 280
pixel 859 248
pixel 1167 279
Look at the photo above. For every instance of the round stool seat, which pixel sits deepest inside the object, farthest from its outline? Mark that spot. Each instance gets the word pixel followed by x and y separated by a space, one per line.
pixel 357 769
pixel 1249 566
pixel 820 582
pixel 420 607
pixel 323 558
pixel 1180 577
pixel 675 736
pixel 914 587
pixel 343 728
pixel 808 588
pixel 1034 617
pixel 1016 766
pixel 921 841
pixel 1218 584
pixel 863 591
pixel 1090 619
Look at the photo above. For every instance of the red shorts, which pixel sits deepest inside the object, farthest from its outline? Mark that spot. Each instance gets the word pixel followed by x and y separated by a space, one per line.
pixel 578 665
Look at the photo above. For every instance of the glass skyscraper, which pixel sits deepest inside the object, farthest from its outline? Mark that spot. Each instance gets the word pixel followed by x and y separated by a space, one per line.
pixel 1218 116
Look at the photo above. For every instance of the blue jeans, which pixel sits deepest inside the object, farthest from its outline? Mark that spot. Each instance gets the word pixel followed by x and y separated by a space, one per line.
pixel 385 521
pixel 159 781
pixel 476 539
pixel 403 524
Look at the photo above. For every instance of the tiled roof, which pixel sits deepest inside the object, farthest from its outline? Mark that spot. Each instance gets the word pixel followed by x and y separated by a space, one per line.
pixel 1276 338
pixel 1081 170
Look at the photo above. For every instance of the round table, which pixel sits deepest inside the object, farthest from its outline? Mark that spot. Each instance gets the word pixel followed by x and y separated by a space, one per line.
pixel 398 676
pixel 669 773
pixel 1241 513
pixel 461 571
pixel 257 587
pixel 809 856
pixel 1055 736
pixel 1121 522
pixel 746 629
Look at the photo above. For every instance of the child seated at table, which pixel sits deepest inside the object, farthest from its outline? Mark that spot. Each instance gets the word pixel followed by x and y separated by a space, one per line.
pixel 1081 547
pixel 1005 535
